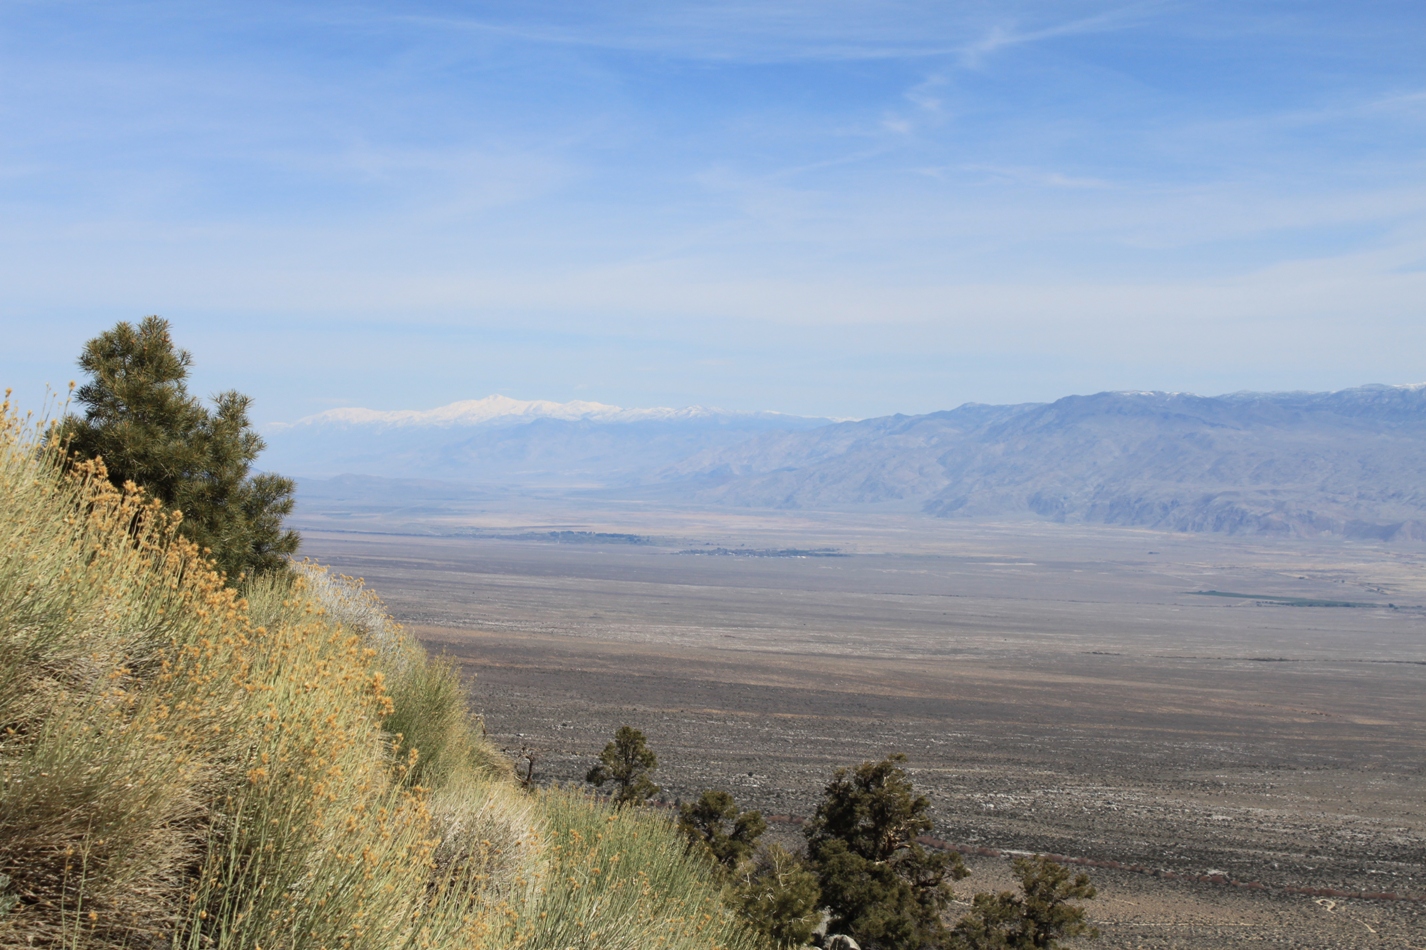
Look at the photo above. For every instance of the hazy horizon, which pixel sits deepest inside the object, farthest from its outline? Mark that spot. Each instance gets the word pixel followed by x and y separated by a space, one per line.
pixel 478 410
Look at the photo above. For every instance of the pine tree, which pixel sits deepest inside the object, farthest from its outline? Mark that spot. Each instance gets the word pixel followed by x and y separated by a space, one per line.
pixel 626 762
pixel 778 895
pixel 141 420
pixel 1038 920
pixel 714 822
pixel 881 885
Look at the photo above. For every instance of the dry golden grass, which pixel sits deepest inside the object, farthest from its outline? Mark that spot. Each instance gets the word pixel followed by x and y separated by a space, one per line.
pixel 185 765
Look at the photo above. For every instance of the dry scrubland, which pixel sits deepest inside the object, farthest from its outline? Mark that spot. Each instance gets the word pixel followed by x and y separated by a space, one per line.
pixel 184 765
pixel 1057 689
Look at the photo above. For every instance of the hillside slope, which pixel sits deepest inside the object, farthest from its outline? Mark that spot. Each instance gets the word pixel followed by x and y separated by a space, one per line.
pixel 182 765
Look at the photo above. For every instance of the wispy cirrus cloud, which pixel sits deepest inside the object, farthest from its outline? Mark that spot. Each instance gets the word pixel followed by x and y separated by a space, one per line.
pixel 790 30
pixel 1010 33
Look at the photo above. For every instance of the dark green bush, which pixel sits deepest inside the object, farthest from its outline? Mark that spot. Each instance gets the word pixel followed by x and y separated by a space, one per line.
pixel 1037 919
pixel 778 894
pixel 714 823
pixel 882 887
pixel 626 763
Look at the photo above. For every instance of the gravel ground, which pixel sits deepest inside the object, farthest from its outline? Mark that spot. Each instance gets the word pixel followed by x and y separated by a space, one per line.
pixel 1087 702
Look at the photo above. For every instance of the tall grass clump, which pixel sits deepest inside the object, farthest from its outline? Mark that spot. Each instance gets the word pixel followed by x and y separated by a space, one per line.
pixel 620 879
pixel 184 765
pixel 429 702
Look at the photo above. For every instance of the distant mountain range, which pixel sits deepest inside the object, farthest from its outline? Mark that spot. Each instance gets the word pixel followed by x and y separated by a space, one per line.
pixel 503 441
pixel 1349 463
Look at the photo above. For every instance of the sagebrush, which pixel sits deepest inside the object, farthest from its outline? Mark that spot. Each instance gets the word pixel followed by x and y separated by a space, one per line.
pixel 187 765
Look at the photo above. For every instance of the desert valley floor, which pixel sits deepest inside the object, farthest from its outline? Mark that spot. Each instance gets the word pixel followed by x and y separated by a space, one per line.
pixel 1190 706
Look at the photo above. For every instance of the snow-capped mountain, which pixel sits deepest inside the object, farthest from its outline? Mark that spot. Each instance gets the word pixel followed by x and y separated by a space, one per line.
pixel 500 440
pixel 502 410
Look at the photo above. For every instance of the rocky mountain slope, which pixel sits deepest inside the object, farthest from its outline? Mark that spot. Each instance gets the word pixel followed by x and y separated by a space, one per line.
pixel 1349 463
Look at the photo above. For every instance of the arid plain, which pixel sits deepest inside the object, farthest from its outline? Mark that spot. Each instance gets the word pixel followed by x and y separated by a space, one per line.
pixel 1062 689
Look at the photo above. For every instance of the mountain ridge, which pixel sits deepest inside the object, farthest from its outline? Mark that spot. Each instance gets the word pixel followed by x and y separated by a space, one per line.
pixel 1344 463
pixel 499 440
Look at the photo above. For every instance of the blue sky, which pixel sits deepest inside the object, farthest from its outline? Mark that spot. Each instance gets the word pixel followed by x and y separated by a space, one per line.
pixel 832 208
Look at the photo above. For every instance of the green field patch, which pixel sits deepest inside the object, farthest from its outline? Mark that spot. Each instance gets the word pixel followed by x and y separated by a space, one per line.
pixel 1285 601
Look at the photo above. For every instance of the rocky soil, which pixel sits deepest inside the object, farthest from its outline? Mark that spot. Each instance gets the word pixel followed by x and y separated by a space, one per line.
pixel 1230 770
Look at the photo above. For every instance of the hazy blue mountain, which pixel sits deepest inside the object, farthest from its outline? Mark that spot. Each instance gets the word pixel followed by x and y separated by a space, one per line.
pixel 503 441
pixel 1349 463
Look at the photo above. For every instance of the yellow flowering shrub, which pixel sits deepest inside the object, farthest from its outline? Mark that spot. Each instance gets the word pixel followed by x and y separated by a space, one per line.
pixel 186 765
